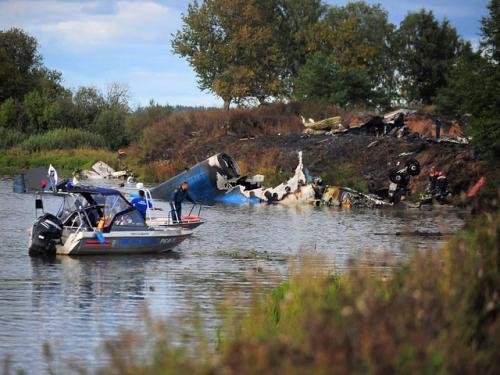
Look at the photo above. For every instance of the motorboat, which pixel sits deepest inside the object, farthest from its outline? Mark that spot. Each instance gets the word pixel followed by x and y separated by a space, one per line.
pixel 98 221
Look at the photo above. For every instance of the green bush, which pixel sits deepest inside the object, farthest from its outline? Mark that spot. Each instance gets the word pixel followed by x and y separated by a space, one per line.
pixel 62 139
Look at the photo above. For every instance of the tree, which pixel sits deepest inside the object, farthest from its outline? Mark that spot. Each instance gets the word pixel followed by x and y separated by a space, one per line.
pixel 467 87
pixel 232 46
pixel 473 88
pixel 426 51
pixel 360 37
pixel 490 31
pixel 19 64
pixel 88 102
pixel 295 25
pixel 321 79
pixel 9 113
pixel 110 124
pixel 117 96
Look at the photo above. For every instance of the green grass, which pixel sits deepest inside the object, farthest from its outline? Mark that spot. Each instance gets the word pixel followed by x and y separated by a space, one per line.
pixel 435 314
pixel 62 139
pixel 14 161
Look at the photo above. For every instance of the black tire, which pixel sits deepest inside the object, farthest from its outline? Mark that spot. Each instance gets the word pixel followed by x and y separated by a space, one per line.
pixel 396 177
pixel 413 167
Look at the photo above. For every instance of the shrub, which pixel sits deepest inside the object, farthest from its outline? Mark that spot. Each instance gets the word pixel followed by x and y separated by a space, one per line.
pixel 10 138
pixel 186 132
pixel 61 139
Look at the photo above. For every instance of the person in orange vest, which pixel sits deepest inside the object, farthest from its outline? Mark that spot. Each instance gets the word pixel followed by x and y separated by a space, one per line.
pixel 438 182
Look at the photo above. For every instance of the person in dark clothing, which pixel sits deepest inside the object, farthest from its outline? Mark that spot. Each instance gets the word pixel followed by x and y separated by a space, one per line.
pixel 141 203
pixel 176 202
pixel 438 128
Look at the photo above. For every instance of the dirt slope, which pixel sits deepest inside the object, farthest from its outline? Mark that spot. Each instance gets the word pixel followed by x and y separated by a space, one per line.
pixel 371 163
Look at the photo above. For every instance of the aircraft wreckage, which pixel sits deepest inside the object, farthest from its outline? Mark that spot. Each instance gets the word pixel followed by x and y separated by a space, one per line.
pixel 218 180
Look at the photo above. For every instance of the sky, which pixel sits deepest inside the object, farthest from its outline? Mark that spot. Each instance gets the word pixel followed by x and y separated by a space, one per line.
pixel 96 42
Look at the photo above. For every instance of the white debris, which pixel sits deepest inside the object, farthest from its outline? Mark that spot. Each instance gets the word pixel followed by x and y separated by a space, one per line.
pixel 390 117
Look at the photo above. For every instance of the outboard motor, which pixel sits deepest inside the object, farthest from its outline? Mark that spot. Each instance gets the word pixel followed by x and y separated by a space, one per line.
pixel 47 231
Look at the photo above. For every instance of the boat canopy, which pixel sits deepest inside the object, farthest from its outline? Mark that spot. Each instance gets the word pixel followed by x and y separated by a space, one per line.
pixel 99 203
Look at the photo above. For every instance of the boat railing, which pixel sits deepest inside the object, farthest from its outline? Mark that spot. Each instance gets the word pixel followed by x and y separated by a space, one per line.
pixel 171 217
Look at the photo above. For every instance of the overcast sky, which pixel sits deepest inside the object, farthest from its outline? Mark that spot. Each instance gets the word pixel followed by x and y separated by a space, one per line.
pixel 95 42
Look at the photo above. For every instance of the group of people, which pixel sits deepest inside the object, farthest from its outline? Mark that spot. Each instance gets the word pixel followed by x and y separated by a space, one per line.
pixel 438 182
pixel 141 203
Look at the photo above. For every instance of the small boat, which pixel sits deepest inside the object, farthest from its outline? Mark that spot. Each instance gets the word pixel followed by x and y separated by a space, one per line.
pixel 98 221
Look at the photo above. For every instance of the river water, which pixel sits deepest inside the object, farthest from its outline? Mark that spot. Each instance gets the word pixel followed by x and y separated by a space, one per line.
pixel 74 304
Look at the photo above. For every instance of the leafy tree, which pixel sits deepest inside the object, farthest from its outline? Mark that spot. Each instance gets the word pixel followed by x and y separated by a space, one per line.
pixel 88 102
pixel 232 46
pixel 35 120
pixel 9 113
pixel 490 31
pixel 322 79
pixel 473 89
pixel 295 25
pixel 427 49
pixel 110 124
pixel 19 64
pixel 466 90
pixel 360 37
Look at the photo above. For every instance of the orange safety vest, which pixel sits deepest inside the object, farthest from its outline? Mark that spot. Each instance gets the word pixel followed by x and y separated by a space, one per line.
pixel 437 174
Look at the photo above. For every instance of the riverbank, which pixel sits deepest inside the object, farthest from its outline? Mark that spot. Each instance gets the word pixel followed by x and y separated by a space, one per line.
pixel 437 313
pixel 14 161
pixel 265 140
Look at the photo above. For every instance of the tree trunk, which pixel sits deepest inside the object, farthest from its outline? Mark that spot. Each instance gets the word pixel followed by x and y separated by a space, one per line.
pixel 227 103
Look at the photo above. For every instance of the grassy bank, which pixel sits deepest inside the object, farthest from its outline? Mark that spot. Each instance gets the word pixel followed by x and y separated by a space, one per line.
pixel 16 160
pixel 437 313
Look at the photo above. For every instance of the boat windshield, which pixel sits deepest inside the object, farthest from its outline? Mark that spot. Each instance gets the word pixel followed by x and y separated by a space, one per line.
pixel 114 204
pixel 96 207
pixel 71 204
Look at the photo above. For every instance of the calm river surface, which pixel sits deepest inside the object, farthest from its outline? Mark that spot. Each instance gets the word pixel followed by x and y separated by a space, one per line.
pixel 75 303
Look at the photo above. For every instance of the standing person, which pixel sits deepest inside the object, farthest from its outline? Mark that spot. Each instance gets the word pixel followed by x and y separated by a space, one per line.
pixel 438 127
pixel 176 203
pixel 141 203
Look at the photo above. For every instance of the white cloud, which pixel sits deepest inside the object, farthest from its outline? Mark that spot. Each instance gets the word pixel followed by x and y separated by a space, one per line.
pixel 92 24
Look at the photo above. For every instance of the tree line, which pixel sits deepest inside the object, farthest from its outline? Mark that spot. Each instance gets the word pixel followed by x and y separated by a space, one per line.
pixel 33 102
pixel 244 50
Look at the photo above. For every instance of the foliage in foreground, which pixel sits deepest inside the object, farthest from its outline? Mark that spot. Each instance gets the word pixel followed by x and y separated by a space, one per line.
pixel 439 313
